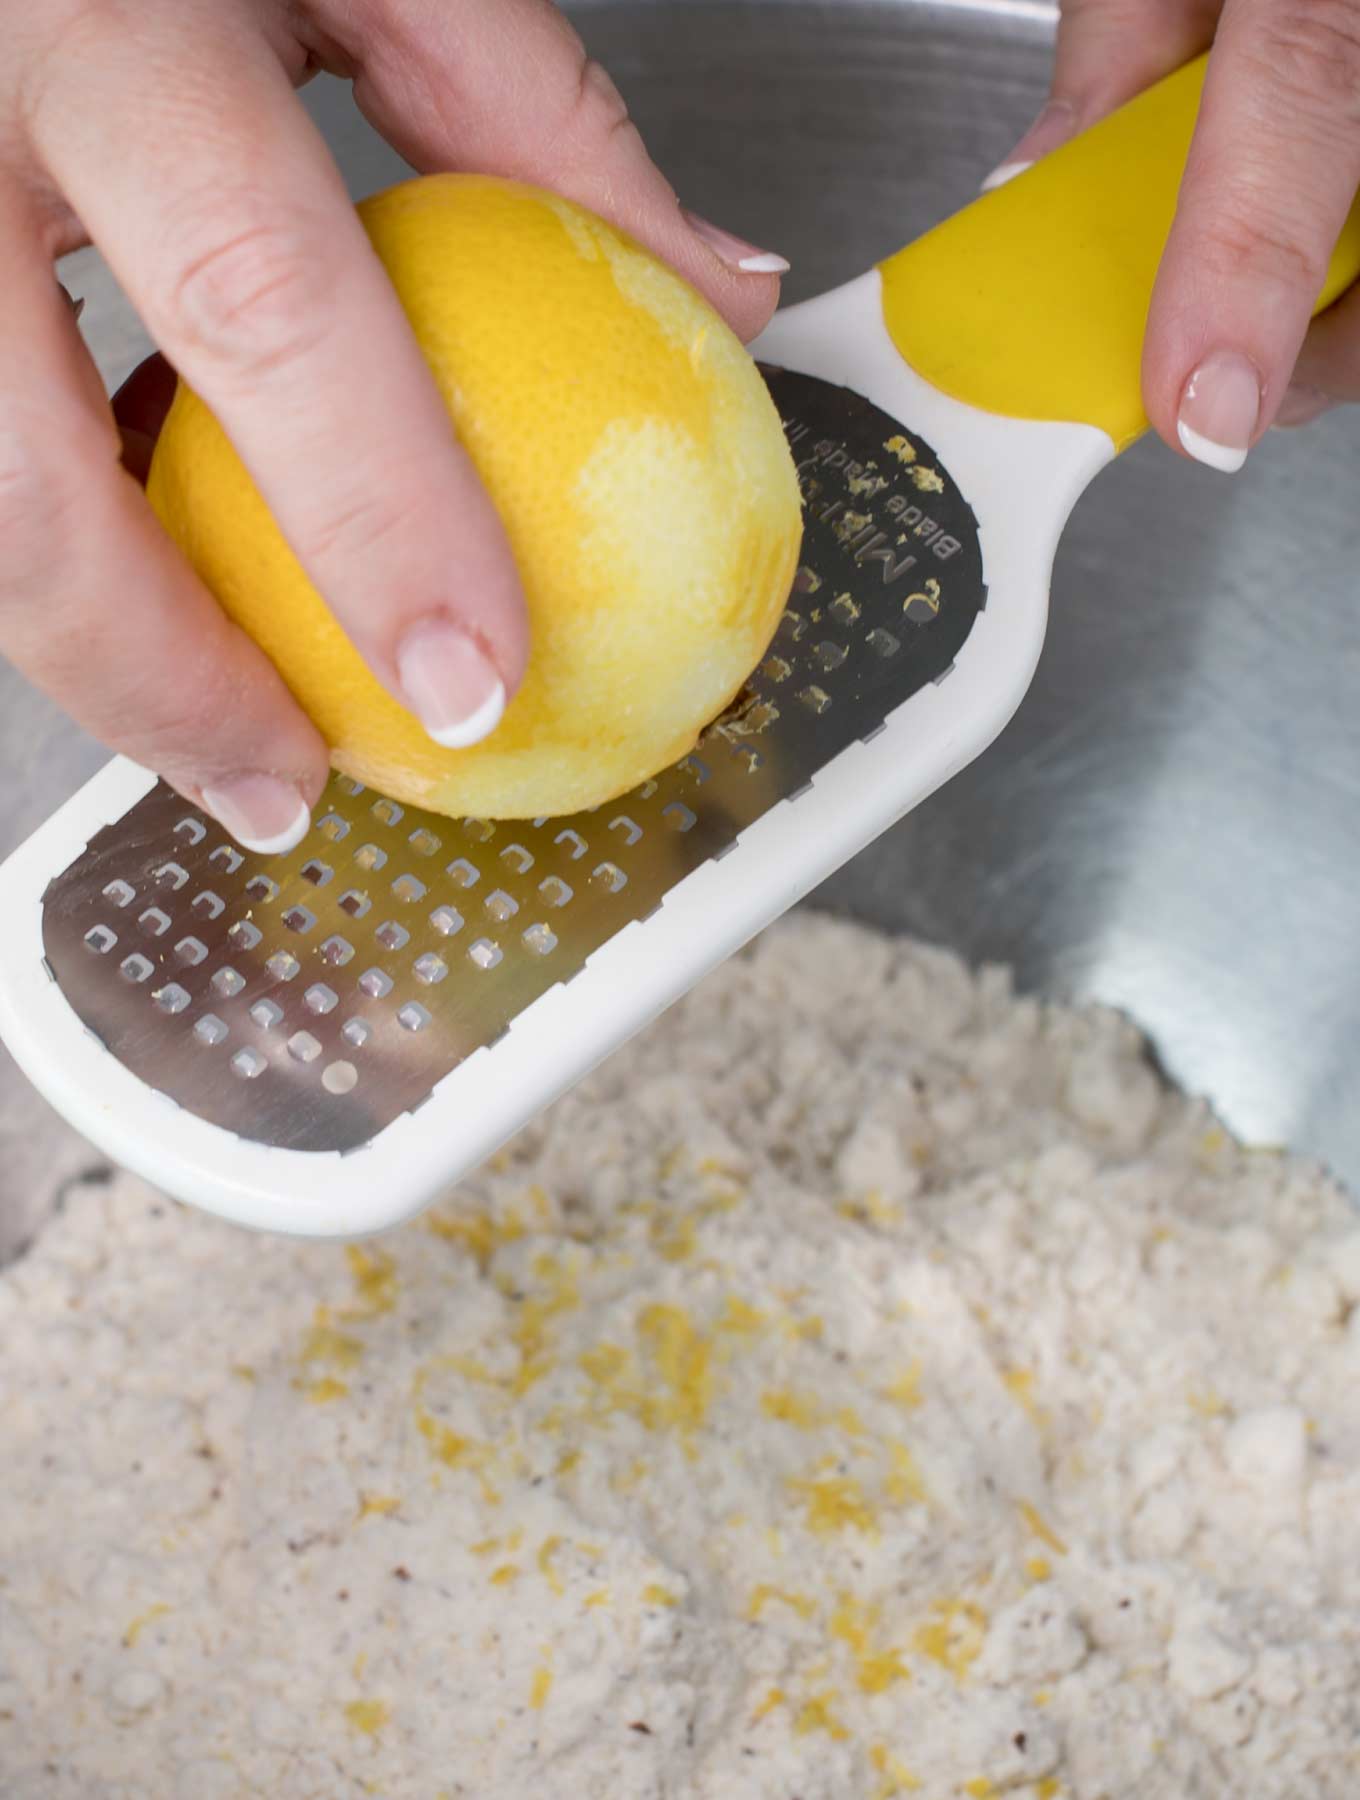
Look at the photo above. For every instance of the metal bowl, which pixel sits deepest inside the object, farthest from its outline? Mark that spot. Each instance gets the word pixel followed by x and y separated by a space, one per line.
pixel 1172 823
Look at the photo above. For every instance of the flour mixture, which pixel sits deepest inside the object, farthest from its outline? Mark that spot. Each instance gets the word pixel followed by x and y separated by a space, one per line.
pixel 869 1384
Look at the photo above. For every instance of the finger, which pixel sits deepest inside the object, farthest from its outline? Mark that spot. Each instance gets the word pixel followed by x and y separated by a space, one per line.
pixel 1327 373
pixel 1273 170
pixel 246 259
pixel 1108 51
pixel 96 606
pixel 508 89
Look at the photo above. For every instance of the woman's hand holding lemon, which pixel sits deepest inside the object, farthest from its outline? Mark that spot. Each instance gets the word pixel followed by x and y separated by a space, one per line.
pixel 166 131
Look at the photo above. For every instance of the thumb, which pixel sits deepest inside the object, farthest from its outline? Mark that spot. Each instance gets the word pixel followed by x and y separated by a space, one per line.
pixel 508 89
pixel 1108 51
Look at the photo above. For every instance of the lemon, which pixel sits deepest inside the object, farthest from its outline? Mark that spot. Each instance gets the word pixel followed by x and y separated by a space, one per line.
pixel 638 463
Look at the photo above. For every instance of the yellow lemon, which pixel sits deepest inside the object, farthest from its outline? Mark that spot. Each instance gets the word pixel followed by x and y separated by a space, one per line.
pixel 637 461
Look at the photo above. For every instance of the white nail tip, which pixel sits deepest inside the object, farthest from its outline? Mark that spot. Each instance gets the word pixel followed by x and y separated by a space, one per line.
pixel 767 263
pixel 1226 458
pixel 282 841
pixel 463 733
pixel 1004 173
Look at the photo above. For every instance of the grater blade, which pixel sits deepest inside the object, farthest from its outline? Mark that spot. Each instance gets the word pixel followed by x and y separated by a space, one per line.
pixel 307 1001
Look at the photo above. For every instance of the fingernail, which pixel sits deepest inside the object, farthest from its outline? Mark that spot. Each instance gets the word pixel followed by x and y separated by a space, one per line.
pixel 1055 124
pixel 1301 405
pixel 735 251
pixel 264 813
pixel 450 683
pixel 1219 409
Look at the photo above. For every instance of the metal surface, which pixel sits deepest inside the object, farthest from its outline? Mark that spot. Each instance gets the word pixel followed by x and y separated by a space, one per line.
pixel 307 1000
pixel 1172 823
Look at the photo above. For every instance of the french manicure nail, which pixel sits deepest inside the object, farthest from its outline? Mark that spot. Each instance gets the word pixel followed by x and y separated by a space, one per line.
pixel 450 683
pixel 1301 405
pixel 1220 406
pixel 264 813
pixel 735 251
pixel 1055 124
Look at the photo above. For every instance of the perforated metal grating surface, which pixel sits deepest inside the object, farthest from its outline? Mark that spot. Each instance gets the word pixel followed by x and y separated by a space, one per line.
pixel 308 1000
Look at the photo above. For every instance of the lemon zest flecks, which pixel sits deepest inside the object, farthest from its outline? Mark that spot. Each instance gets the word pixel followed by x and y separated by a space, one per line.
pixel 140 1623
pixel 897 1778
pixel 905 1388
pixel 656 1595
pixel 834 1503
pixel 327 1388
pixel 901 449
pixel 815 1714
pixel 379 1504
pixel 367 1716
pixel 540 1689
pixel 1038 1568
pixel 599 1598
pixel 504 1575
pixel 375 1276
pixel 324 1343
pixel 764 1594
pixel 547 1550
pixel 1043 1532
pixel 774 1698
pixel 954 1637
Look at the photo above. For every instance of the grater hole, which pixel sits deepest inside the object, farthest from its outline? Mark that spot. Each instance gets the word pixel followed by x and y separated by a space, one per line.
pixel 392 936
pixel 408 889
pixel 376 983
pixel 191 831
pixel 829 656
pixel 247 1064
pixel 480 830
pixel 486 953
pixel 262 888
pixel 696 768
pixel 207 905
pixel 226 859
pixel 574 842
pixel 154 922
pixel 424 842
pixel 631 831
pixel 352 787
pixel 355 903
pixel 463 872
pixel 227 982
pixel 679 817
pixel 429 968
pixel 340 1078
pixel 321 999
pixel 814 698
pixel 170 875
pixel 540 939
pixel 244 934
pixel 356 1032
pixel 413 1016
pixel 776 668
pixel 303 1047
pixel 555 891
pixel 191 951
pixel 792 626
pixel 172 998
pixel 806 581
pixel 760 717
pixel 266 1014
pixel 121 893
pixel 369 856
pixel 883 643
pixel 387 812
pixel 317 872
pixel 447 920
pixel 283 965
pixel 921 608
pixel 749 757
pixel 299 919
pixel 500 905
pixel 845 608
pixel 609 876
pixel 135 967
pixel 210 1030
pixel 334 828
pixel 518 858
pixel 337 951
pixel 100 939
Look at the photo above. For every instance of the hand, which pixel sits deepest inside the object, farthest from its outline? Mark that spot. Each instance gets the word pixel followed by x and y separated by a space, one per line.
pixel 169 135
pixel 1273 170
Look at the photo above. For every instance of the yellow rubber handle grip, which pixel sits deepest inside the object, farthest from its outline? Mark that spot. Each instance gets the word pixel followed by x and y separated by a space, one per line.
pixel 1033 300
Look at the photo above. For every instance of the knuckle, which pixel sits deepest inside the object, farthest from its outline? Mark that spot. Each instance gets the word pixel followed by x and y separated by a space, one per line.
pixel 254 300
pixel 1310 49
pixel 595 109
pixel 364 521
pixel 1251 246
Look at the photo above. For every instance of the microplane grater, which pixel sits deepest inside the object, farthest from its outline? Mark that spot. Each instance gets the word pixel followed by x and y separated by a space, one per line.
pixel 307 1000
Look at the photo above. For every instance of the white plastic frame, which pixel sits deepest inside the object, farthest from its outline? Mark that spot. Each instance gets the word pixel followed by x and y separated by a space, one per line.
pixel 1021 479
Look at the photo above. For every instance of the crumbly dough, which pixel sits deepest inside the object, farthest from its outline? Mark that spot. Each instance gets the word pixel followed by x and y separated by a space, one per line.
pixel 868 1384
